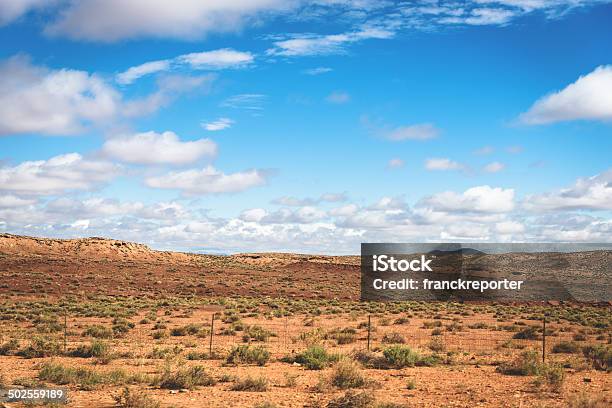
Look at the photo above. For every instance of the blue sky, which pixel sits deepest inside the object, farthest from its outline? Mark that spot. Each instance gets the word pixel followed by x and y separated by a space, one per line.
pixel 306 126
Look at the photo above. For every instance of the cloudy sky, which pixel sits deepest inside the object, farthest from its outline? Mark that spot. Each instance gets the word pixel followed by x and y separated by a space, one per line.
pixel 306 125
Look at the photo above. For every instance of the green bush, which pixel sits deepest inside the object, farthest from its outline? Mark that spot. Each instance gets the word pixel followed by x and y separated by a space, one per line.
pixel 98 331
pixel 315 358
pixel 527 363
pixel 41 347
pixel 258 384
pixel 399 356
pixel 347 374
pixel 352 399
pixel 9 347
pixel 134 399
pixel 95 349
pixel 567 347
pixel 257 333
pixel 393 338
pixel 599 356
pixel 188 378
pixel 528 333
pixel 248 355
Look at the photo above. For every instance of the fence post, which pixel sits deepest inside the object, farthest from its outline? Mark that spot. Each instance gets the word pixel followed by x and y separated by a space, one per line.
pixel 544 339
pixel 212 331
pixel 369 330
pixel 65 330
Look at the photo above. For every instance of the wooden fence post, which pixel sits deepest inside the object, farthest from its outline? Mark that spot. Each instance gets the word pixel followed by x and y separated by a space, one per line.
pixel 544 339
pixel 369 330
pixel 212 331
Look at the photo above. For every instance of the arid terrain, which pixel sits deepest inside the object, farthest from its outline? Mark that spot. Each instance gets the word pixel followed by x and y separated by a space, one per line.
pixel 120 325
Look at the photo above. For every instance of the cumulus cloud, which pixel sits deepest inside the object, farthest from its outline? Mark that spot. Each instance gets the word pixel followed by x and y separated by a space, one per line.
pixel 13 9
pixel 592 193
pixel 422 131
pixel 590 98
pixel 158 148
pixel 494 167
pixel 395 163
pixel 98 20
pixel 56 175
pixel 219 124
pixel 338 97
pixel 35 99
pixel 208 181
pixel 485 150
pixel 480 199
pixel 443 164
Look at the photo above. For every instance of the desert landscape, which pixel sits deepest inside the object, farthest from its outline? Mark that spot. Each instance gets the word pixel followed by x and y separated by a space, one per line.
pixel 120 325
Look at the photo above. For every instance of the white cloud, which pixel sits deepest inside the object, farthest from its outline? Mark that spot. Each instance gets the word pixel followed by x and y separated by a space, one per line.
pixel 158 148
pixel 217 59
pixel 98 20
pixel 56 175
pixel 494 167
pixel 300 202
pixel 11 201
pixel 593 193
pixel 13 9
pixel 253 215
pixel 302 215
pixel 590 98
pixel 219 124
pixel 245 101
pixel 396 163
pixel 442 164
pixel 338 97
pixel 422 131
pixel 314 44
pixel 509 227
pixel 138 71
pixel 480 199
pixel 38 100
pixel 208 181
pixel 317 71
pixel 485 150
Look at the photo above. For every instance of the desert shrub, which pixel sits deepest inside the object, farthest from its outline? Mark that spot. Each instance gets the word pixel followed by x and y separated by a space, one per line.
pixel 164 352
pixel 315 358
pixel 95 349
pixel 266 404
pixel 478 325
pixel 248 355
pixel 188 378
pixel 401 320
pixel 436 332
pixel 580 337
pixel 431 325
pixel 400 356
pixel 128 398
pixel 257 333
pixel 527 363
pixel 528 333
pixel 159 334
pixel 256 384
pixel 98 331
pixel 190 329
pixel 567 347
pixel 393 338
pixel 587 400
pixel 347 374
pixel 41 347
pixel 437 345
pixel 353 399
pixel 551 375
pixel 85 378
pixel 196 355
pixel 9 347
pixel 312 337
pixel 599 356
pixel 121 326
